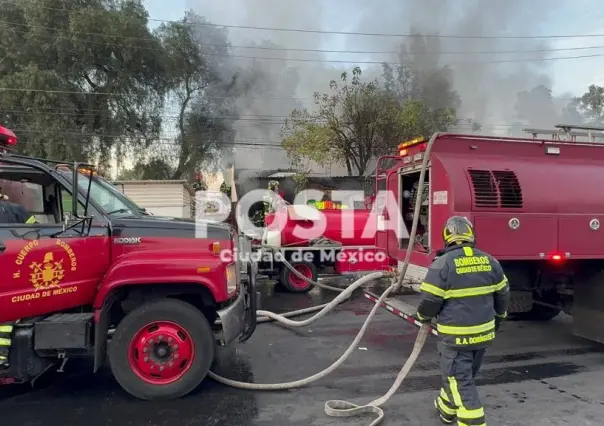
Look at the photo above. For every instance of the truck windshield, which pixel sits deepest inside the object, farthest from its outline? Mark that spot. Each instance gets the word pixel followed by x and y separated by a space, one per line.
pixel 107 196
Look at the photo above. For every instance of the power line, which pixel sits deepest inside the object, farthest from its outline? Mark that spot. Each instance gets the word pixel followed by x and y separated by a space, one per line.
pixel 94 135
pixel 246 117
pixel 56 111
pixel 80 92
pixel 277 119
pixel 351 33
pixel 335 61
pixel 246 141
pixel 162 142
pixel 290 49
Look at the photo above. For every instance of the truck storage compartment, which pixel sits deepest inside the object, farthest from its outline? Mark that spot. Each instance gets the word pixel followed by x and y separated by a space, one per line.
pixel 535 234
pixel 361 260
pixel 581 235
pixel 297 224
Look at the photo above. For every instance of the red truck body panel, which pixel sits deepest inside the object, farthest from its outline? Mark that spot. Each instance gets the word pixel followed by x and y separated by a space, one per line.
pixel 495 180
pixel 83 271
pixel 163 261
pixel 50 275
pixel 336 226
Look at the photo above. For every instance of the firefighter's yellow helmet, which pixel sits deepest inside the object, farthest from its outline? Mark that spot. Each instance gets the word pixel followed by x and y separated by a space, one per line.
pixel 458 230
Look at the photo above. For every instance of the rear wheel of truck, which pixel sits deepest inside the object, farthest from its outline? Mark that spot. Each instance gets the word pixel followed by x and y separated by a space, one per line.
pixel 162 350
pixel 541 312
pixel 294 283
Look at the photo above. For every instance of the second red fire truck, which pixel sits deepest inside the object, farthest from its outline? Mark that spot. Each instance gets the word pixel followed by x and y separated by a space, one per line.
pixel 536 205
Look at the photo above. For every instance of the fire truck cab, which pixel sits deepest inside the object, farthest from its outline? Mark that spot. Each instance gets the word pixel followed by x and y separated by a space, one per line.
pixel 94 276
pixel 536 207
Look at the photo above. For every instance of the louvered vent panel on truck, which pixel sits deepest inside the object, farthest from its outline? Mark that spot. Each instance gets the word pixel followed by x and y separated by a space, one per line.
pixel 510 192
pixel 484 188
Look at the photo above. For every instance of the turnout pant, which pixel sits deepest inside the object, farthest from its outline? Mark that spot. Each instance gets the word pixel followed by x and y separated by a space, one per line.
pixel 458 398
pixel 6 331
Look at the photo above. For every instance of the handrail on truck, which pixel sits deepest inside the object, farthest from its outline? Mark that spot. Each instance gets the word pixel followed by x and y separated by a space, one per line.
pixel 591 133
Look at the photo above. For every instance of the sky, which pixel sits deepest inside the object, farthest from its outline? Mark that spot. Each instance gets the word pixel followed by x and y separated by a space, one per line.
pixel 565 17
pixel 488 90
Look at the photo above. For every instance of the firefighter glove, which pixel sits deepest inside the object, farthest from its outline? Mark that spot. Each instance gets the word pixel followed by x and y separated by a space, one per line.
pixel 422 319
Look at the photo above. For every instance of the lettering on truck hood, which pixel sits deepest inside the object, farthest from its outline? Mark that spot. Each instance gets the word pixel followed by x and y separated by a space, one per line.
pixel 127 240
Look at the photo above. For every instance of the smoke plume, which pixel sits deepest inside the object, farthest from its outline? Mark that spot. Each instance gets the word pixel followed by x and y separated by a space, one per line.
pixel 487 85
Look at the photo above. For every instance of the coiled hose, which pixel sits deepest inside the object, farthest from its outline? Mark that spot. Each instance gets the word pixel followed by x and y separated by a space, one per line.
pixel 339 408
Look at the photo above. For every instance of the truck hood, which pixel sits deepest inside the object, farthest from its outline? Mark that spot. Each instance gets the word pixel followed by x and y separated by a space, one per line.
pixel 172 227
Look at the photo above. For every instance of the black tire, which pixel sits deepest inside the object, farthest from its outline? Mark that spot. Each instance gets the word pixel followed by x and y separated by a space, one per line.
pixel 295 284
pixel 540 312
pixel 180 313
pixel 520 302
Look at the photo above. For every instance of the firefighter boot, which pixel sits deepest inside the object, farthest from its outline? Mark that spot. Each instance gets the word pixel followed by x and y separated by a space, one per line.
pixel 6 331
pixel 446 412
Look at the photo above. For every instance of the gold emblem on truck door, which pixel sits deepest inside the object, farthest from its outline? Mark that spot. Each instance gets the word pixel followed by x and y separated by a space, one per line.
pixel 47 274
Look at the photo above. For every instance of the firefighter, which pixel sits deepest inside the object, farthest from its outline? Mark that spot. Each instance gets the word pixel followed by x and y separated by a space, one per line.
pixel 467 292
pixel 10 213
pixel 271 198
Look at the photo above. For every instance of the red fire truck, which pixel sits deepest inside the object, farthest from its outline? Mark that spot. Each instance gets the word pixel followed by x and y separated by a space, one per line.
pixel 347 244
pixel 534 204
pixel 94 262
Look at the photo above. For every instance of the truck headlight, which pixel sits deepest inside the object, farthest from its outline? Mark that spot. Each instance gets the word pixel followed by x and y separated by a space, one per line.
pixel 231 278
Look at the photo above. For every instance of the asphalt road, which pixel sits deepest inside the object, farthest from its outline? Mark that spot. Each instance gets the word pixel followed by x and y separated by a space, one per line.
pixel 535 374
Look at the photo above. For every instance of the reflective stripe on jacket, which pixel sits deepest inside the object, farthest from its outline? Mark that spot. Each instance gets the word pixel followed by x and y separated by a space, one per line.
pixel 465 289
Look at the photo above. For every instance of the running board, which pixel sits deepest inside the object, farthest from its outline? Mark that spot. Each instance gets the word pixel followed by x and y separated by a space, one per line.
pixel 399 308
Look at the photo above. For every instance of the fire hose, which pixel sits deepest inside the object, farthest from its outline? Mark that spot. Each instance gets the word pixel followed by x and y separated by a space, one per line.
pixel 339 408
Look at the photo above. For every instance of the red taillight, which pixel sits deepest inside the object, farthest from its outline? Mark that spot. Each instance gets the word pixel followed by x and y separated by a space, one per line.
pixel 556 257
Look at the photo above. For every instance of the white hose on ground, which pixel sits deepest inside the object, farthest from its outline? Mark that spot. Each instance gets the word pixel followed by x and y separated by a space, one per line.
pixel 266 316
pixel 338 408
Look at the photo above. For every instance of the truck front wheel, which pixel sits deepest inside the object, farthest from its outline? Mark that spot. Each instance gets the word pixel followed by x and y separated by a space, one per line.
pixel 294 283
pixel 162 350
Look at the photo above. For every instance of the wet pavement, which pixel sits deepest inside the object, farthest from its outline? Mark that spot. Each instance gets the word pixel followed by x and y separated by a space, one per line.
pixel 535 374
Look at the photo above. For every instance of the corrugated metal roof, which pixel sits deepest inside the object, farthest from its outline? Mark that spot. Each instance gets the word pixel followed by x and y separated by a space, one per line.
pixel 282 175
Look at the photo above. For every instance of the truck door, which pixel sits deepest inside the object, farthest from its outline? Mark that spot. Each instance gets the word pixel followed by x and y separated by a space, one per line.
pixel 389 217
pixel 44 270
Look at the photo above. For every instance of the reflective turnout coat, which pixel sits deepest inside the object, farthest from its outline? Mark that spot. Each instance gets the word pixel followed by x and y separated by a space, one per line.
pixel 464 289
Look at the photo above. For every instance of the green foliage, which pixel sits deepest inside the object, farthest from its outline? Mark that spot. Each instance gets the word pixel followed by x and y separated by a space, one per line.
pixel 63 54
pixel 301 181
pixel 591 105
pixel 540 109
pixel 155 169
pixel 226 189
pixel 93 80
pixel 194 70
pixel 359 120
